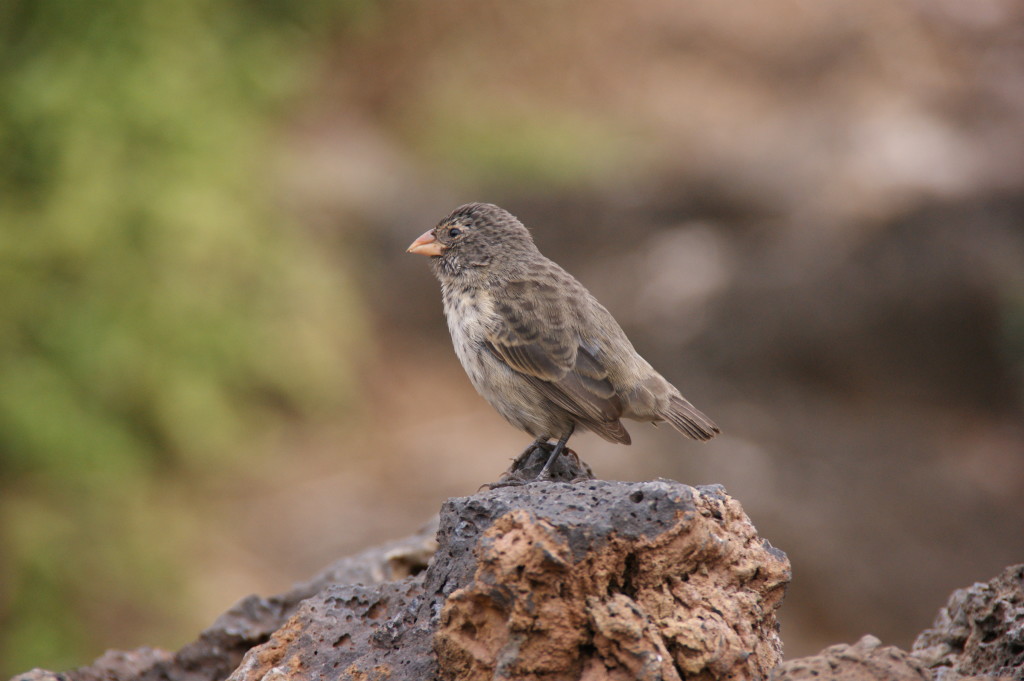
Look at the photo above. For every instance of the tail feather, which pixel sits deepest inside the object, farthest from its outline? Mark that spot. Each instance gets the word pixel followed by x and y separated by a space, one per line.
pixel 689 420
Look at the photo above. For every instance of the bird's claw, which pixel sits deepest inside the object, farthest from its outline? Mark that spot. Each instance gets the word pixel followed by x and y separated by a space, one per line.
pixel 530 466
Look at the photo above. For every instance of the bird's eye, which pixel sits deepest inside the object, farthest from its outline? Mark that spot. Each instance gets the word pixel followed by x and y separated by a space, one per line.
pixel 454 231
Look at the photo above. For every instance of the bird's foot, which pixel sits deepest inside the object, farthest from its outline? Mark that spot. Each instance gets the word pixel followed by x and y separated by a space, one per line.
pixel 568 467
pixel 529 467
pixel 523 460
pixel 508 479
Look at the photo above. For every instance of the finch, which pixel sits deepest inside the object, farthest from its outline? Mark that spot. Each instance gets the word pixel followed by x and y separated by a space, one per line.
pixel 536 344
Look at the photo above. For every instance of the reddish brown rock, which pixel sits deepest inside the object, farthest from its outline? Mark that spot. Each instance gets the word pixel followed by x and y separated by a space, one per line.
pixel 694 598
pixel 866 660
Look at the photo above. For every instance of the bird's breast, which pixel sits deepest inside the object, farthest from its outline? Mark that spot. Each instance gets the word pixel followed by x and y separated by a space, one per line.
pixel 470 313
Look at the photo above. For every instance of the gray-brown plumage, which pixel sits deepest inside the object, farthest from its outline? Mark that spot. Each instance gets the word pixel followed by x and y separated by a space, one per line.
pixel 535 343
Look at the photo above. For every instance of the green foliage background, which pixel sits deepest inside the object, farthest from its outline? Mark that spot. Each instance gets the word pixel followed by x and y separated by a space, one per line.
pixel 159 315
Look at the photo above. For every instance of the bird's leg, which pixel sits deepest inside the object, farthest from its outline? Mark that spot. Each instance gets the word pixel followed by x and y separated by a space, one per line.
pixel 544 472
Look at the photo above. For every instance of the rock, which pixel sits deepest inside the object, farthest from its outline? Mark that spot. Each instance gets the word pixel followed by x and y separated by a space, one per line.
pixel 979 632
pixel 331 635
pixel 114 664
pixel 612 581
pixel 866 660
pixel 591 581
pixel 594 581
pixel 221 647
pixel 978 635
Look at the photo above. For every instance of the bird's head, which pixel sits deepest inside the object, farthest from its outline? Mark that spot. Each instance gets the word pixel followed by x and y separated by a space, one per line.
pixel 476 235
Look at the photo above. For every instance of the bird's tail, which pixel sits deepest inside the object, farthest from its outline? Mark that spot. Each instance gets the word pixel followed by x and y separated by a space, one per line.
pixel 689 420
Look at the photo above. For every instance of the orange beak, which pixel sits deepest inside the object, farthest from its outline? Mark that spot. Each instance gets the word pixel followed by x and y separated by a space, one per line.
pixel 426 244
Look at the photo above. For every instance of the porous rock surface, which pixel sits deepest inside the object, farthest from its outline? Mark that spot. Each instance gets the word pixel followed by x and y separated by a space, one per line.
pixel 978 636
pixel 979 632
pixel 593 580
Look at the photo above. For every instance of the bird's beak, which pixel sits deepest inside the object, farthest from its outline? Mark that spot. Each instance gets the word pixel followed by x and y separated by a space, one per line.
pixel 427 244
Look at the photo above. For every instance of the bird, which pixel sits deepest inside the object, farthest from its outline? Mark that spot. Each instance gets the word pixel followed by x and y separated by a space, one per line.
pixel 535 342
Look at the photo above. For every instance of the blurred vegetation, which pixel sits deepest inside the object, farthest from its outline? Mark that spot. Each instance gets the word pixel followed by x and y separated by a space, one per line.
pixel 160 315
pixel 529 148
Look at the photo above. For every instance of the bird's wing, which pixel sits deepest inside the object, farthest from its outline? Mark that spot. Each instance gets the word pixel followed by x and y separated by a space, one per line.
pixel 534 338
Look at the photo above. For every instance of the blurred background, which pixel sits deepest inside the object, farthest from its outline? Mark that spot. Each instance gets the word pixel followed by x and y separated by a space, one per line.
pixel 219 371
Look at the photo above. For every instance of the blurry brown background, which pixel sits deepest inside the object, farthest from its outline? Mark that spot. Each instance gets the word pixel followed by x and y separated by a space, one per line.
pixel 809 216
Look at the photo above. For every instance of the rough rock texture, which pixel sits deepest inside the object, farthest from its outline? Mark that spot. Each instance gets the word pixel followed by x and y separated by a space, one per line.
pixel 610 581
pixel 979 632
pixel 598 580
pixel 220 648
pixel 866 660
pixel 978 635
pixel 594 580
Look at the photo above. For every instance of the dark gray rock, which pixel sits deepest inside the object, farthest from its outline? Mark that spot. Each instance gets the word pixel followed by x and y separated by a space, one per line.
pixel 979 632
pixel 220 648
